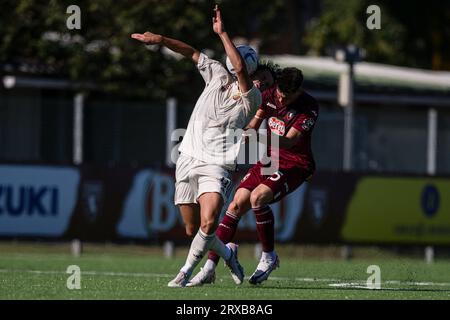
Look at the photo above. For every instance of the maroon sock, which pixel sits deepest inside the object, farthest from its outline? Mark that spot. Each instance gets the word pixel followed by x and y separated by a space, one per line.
pixel 265 227
pixel 225 232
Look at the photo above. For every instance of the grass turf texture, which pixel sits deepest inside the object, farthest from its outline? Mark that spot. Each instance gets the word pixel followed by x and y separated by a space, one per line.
pixel 29 271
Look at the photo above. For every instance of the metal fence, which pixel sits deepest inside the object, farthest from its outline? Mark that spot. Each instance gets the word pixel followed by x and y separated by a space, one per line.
pixel 37 126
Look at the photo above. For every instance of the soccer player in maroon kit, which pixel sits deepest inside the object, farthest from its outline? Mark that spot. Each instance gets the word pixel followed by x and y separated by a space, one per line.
pixel 291 114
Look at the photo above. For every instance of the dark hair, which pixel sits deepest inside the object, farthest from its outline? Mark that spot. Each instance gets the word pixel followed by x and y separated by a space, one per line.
pixel 267 65
pixel 289 80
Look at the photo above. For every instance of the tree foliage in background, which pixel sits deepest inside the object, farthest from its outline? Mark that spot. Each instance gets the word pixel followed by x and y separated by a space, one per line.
pixel 34 33
pixel 35 38
pixel 412 33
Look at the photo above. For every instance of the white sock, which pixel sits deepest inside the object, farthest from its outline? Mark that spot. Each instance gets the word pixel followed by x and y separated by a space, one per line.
pixel 220 248
pixel 209 265
pixel 199 246
pixel 268 255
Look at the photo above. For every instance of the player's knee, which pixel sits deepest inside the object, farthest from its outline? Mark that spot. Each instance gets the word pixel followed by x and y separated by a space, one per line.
pixel 208 226
pixel 240 204
pixel 235 208
pixel 258 198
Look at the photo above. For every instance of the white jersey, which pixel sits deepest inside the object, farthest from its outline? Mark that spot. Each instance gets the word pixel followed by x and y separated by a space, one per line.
pixel 214 131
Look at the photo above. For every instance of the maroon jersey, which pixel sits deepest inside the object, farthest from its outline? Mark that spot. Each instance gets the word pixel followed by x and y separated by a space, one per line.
pixel 300 114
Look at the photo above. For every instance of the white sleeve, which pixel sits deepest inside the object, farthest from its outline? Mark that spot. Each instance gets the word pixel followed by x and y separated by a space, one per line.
pixel 211 69
pixel 252 99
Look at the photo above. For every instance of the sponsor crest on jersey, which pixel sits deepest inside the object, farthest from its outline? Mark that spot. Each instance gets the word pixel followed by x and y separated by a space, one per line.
pixel 308 124
pixel 291 113
pixel 277 126
pixel 226 86
pixel 237 96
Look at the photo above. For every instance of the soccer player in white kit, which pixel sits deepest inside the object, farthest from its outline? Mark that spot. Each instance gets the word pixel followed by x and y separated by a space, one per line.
pixel 210 147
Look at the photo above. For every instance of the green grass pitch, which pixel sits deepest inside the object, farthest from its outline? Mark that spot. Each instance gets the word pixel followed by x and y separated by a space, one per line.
pixel 29 271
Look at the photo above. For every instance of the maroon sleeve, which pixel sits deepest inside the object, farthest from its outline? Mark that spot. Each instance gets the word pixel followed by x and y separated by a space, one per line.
pixel 305 122
pixel 263 105
pixel 267 97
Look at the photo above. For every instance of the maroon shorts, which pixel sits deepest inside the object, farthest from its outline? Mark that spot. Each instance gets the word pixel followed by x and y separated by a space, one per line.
pixel 282 182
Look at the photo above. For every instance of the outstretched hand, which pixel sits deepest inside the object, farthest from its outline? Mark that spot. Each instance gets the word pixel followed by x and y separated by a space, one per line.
pixel 218 26
pixel 148 37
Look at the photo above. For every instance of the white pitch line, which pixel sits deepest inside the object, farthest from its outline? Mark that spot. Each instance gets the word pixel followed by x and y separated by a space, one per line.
pixel 95 273
pixel 419 283
pixel 358 285
pixel 332 282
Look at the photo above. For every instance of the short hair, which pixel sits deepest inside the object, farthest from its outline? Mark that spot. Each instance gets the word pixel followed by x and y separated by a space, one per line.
pixel 289 80
pixel 268 65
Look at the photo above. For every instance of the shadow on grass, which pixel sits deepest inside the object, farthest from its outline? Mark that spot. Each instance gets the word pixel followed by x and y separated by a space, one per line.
pixel 350 289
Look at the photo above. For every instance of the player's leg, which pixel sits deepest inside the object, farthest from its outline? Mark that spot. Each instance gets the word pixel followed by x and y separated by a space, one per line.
pixel 210 208
pixel 190 212
pixel 210 204
pixel 260 199
pixel 185 199
pixel 214 184
pixel 238 207
pixel 265 224
pixel 205 239
pixel 224 232
pixel 271 190
pixel 228 226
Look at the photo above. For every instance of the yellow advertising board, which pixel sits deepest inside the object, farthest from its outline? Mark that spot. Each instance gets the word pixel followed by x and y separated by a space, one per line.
pixel 399 210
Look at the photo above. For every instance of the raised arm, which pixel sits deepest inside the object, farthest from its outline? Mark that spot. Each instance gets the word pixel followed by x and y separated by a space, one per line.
pixel 245 83
pixel 173 44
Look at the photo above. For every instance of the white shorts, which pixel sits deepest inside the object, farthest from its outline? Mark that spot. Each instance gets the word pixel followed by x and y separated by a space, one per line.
pixel 195 177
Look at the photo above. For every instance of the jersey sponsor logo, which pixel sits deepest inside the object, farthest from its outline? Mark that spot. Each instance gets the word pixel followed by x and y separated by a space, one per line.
pixel 271 105
pixel 277 126
pixel 308 124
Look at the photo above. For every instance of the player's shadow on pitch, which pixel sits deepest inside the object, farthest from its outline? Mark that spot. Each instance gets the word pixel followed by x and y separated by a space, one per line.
pixel 356 289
